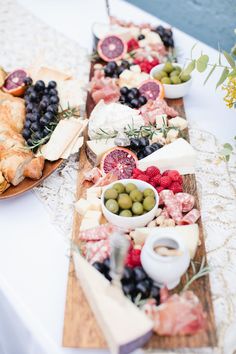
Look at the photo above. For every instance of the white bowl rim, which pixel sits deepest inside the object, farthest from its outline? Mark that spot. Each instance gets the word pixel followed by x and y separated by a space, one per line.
pixel 170 85
pixel 129 180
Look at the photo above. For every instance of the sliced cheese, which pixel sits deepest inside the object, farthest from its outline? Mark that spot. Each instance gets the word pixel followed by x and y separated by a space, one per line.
pixel 178 122
pixel 64 133
pixel 93 192
pixel 124 326
pixel 82 206
pixel 189 234
pixel 178 155
pixel 93 215
pixel 70 93
pixel 47 74
pixel 97 148
pixel 87 224
pixel 95 204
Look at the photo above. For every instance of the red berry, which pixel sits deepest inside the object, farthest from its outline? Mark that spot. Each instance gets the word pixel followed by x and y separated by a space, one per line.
pixel 132 44
pixel 152 183
pixel 157 179
pixel 143 178
pixel 165 181
pixel 174 175
pixel 180 180
pixel 137 172
pixel 152 171
pixel 159 189
pixel 176 187
pixel 165 173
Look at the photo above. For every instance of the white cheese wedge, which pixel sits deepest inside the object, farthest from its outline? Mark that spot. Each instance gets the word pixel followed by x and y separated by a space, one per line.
pixel 87 224
pixel 161 120
pixel 70 93
pixel 46 74
pixel 132 79
pixel 188 233
pixel 124 326
pixel 94 204
pixel 93 215
pixel 82 206
pixel 61 138
pixel 93 192
pixel 178 122
pixel 112 117
pixel 97 148
pixel 178 155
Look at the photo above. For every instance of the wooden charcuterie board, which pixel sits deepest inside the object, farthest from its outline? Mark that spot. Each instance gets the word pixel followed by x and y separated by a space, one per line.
pixel 80 327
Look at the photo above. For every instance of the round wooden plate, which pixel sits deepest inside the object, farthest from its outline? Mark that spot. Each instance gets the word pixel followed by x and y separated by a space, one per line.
pixel 28 183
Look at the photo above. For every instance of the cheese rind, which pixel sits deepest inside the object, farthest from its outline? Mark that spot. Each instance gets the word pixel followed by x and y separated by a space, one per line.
pixel 124 326
pixel 178 155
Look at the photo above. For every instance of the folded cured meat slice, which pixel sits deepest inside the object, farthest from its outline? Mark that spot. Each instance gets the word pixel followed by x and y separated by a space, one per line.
pixel 187 201
pixel 13 163
pixel 101 232
pixel 152 109
pixel 34 169
pixel 190 218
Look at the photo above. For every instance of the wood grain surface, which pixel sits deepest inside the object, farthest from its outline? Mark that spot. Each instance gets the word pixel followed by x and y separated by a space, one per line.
pixel 80 327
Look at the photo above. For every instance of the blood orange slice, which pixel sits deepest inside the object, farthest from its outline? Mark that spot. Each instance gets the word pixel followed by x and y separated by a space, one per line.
pixel 152 89
pixel 120 161
pixel 111 48
pixel 14 83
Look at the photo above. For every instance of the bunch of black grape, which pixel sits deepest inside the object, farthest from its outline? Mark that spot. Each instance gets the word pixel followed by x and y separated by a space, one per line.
pixel 41 103
pixel 166 35
pixel 112 69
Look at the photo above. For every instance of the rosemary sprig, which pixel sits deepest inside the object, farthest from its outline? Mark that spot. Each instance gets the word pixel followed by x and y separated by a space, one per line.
pixel 202 271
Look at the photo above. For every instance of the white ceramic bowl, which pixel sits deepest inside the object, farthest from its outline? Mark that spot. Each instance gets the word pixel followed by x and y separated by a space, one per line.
pixel 134 221
pixel 172 91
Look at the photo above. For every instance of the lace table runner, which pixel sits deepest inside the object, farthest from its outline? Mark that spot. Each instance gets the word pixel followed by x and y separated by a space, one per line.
pixel 216 181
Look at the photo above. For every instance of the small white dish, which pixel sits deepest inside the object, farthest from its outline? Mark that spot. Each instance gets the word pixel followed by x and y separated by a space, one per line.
pixel 133 221
pixel 165 270
pixel 172 91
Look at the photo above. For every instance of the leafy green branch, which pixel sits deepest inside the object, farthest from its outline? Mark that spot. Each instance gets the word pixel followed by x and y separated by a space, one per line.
pixel 196 274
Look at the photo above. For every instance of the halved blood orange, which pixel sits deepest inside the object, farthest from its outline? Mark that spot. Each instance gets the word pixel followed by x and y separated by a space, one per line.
pixel 152 89
pixel 14 83
pixel 120 161
pixel 111 48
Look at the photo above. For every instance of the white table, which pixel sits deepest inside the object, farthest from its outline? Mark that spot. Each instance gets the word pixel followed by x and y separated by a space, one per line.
pixel 33 255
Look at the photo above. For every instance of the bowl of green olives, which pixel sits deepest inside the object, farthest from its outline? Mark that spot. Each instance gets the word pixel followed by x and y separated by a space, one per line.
pixel 176 83
pixel 129 203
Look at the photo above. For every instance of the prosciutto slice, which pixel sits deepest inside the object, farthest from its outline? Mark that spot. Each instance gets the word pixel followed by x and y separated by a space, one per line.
pixel 152 109
pixel 177 315
pixel 104 88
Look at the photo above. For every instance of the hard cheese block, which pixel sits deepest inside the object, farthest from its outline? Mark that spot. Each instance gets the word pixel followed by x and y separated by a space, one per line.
pixel 124 326
pixel 178 155
pixel 97 148
pixel 188 233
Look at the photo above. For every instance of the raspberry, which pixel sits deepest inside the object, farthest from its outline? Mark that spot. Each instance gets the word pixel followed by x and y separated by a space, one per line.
pixel 165 173
pixel 180 180
pixel 137 172
pixel 152 171
pixel 176 187
pixel 174 175
pixel 157 179
pixel 165 181
pixel 159 189
pixel 152 183
pixel 132 44
pixel 133 258
pixel 143 178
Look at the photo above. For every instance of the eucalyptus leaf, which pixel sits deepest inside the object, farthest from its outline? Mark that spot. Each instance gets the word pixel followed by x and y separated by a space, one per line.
pixel 229 59
pixel 210 73
pixel 193 49
pixel 225 152
pixel 228 146
pixel 202 63
pixel 190 67
pixel 223 77
pixel 232 73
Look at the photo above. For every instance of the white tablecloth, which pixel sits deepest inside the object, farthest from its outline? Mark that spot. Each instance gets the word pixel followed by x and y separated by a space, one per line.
pixel 33 254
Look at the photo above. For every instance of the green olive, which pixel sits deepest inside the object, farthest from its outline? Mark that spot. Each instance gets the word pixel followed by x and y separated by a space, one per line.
pixel 168 67
pixel 158 75
pixel 175 80
pixel 174 73
pixel 124 201
pixel 136 195
pixel 137 208
pixel 126 213
pixel 112 206
pixel 130 187
pixel 166 80
pixel 111 193
pixel 148 192
pixel 149 203
pixel 185 78
pixel 119 187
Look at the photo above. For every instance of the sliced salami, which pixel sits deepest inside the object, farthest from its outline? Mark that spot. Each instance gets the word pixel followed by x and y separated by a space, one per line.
pixel 187 201
pixel 96 250
pixel 190 218
pixel 98 233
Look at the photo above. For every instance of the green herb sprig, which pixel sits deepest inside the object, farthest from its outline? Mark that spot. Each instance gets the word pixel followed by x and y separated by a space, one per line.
pixel 201 272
